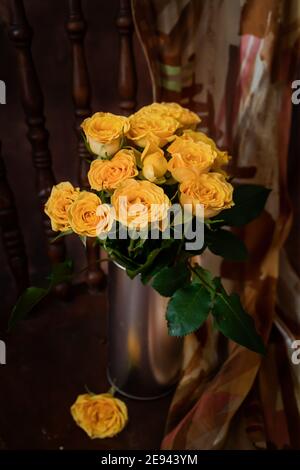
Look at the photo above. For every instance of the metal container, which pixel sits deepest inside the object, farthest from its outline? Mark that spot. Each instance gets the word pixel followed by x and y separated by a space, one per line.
pixel 144 362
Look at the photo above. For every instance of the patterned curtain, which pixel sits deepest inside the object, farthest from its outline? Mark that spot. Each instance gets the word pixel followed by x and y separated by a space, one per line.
pixel 233 61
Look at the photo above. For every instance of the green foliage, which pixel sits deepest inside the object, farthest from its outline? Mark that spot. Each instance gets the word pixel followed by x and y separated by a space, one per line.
pixel 191 304
pixel 226 244
pixel 87 145
pixel 233 321
pixel 157 258
pixel 204 277
pixel 188 309
pixel 26 302
pixel 249 200
pixel 194 292
pixel 61 272
pixel 104 196
pixel 61 235
pixel 169 279
pixel 123 142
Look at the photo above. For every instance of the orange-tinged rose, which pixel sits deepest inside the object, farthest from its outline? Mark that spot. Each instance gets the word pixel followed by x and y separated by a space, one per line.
pixel 151 127
pixel 108 174
pixel 61 197
pixel 222 157
pixel 100 415
pixel 82 214
pixel 210 189
pixel 188 157
pixel 104 131
pixel 138 203
pixel 187 119
pixel 154 163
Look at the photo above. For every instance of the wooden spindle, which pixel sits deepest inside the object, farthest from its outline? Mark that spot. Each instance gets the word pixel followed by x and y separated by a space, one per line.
pixel 127 85
pixel 76 28
pixel 11 233
pixel 81 89
pixel 33 104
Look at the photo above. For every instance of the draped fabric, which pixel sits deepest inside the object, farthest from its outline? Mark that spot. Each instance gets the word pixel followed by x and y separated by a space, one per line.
pixel 233 62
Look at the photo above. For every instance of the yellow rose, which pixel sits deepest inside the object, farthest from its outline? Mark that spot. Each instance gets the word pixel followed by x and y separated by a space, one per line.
pixel 154 163
pixel 99 416
pixel 210 189
pixel 83 216
pixel 108 174
pixel 146 127
pixel 104 131
pixel 106 219
pixel 222 157
pixel 61 197
pixel 138 203
pixel 188 157
pixel 187 119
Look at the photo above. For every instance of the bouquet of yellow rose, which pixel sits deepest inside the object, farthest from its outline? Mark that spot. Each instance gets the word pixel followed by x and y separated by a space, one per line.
pixel 159 195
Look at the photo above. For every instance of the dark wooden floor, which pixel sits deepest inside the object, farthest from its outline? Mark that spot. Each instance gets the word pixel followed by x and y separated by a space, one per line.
pixel 51 357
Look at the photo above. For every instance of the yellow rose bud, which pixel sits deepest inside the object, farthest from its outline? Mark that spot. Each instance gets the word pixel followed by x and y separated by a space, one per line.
pixel 188 157
pixel 151 127
pixel 187 119
pixel 222 157
pixel 100 415
pixel 61 197
pixel 108 174
pixel 138 203
pixel 104 131
pixel 210 189
pixel 83 216
pixel 154 163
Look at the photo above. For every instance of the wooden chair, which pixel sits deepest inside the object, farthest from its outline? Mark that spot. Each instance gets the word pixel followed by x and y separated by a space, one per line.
pixel 21 35
pixel 11 233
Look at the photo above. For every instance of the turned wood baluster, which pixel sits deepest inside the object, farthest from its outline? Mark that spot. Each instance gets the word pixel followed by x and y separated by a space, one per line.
pixel 127 85
pixel 11 233
pixel 76 28
pixel 32 100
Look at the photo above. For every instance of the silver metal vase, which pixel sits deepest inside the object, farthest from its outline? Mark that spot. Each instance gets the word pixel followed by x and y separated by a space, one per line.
pixel 144 362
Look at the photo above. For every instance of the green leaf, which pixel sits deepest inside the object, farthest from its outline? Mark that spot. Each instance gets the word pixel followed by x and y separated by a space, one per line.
pixel 120 258
pixel 123 140
pixel 188 309
pixel 226 244
pixel 209 222
pixel 169 279
pixel 159 258
pixel 60 235
pixel 29 299
pixel 232 320
pixel 204 277
pixel 87 145
pixel 249 199
pixel 104 196
pixel 138 156
pixel 148 268
pixel 61 272
pixel 83 240
pixel 161 180
pixel 136 247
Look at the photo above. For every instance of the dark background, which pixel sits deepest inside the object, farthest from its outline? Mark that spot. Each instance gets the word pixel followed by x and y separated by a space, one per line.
pixel 61 349
pixel 52 56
